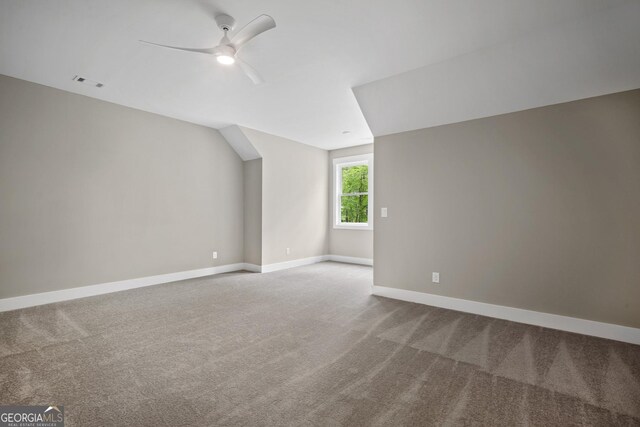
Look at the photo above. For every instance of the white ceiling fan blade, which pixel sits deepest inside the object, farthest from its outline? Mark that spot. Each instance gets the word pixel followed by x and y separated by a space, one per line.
pixel 250 72
pixel 259 25
pixel 208 50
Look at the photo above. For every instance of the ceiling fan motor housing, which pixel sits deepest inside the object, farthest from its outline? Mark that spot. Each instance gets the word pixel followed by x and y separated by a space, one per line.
pixel 224 50
pixel 225 22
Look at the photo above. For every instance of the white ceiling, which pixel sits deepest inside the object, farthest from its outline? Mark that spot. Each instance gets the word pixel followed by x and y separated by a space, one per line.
pixel 317 53
pixel 580 59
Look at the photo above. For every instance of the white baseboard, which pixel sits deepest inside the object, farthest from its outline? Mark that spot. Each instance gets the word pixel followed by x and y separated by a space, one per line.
pixel 268 268
pixel 15 303
pixel 547 320
pixel 350 259
pixel 254 268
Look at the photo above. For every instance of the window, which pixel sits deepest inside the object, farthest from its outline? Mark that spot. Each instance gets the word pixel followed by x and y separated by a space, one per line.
pixel 353 192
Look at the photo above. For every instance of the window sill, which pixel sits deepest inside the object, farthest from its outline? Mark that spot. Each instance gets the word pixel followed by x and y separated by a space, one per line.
pixel 365 227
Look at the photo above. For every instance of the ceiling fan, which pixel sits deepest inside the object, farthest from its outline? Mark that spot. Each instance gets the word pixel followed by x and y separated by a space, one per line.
pixel 226 51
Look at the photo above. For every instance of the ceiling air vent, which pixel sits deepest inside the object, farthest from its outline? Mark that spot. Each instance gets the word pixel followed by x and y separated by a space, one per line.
pixel 85 80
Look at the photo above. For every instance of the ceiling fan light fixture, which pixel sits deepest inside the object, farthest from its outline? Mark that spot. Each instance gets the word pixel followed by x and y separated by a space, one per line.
pixel 225 54
pixel 225 51
pixel 226 59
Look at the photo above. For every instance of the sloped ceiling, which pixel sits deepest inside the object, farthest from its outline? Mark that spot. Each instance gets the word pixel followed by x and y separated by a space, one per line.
pixel 583 58
pixel 318 53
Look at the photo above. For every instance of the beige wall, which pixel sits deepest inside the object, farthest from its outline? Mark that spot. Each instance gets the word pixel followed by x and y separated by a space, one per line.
pixel 351 243
pixel 538 209
pixel 294 198
pixel 92 192
pixel 253 211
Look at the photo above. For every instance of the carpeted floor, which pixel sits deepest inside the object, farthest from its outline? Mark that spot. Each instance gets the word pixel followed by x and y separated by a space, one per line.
pixel 306 346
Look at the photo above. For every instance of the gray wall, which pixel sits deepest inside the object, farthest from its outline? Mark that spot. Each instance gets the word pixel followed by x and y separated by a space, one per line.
pixel 253 211
pixel 294 198
pixel 538 209
pixel 352 243
pixel 92 192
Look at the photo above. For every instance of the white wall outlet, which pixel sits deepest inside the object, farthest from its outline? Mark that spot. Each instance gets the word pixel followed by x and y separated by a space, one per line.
pixel 288 251
pixel 215 254
pixel 435 277
pixel 383 212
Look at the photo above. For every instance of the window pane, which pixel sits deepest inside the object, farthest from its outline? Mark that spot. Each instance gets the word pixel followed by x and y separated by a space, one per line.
pixel 355 179
pixel 354 209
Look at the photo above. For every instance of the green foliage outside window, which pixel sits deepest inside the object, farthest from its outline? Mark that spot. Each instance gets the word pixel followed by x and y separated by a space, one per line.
pixel 354 207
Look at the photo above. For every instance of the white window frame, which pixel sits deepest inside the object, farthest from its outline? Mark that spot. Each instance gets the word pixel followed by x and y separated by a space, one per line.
pixel 338 164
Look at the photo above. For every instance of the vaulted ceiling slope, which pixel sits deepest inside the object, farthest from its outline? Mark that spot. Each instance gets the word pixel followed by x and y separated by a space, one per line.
pixel 594 56
pixel 499 54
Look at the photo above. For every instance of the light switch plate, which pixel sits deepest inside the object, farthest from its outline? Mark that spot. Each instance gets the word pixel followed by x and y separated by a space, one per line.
pixel 435 277
pixel 383 212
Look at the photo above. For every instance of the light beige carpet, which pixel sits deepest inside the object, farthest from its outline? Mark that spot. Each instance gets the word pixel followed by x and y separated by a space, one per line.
pixel 306 346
